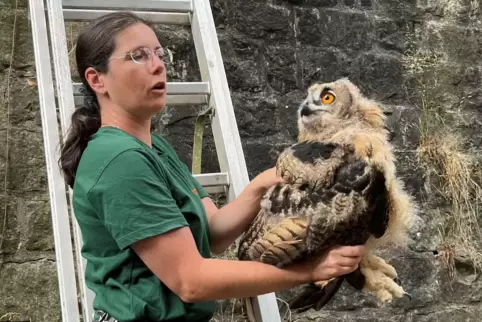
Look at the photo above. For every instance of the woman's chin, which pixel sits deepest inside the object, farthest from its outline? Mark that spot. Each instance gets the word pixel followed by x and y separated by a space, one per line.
pixel 158 105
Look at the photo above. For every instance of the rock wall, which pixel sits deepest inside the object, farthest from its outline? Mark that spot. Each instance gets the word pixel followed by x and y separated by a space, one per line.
pixel 28 276
pixel 420 59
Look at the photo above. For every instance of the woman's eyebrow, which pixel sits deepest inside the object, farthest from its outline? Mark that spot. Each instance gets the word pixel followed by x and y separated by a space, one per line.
pixel 144 46
pixel 134 48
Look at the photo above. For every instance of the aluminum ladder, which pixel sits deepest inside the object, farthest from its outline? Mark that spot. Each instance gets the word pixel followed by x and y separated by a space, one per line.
pixel 57 92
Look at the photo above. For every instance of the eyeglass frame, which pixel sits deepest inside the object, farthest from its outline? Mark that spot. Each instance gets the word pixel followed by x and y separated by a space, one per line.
pixel 149 53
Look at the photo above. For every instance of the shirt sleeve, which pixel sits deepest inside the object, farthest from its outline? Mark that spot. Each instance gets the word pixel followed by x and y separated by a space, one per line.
pixel 133 200
pixel 200 189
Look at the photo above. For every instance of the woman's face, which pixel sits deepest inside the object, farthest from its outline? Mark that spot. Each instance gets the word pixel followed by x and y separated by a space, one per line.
pixel 137 87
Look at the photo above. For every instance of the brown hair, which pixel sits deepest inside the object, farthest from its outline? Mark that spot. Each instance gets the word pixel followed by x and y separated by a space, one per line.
pixel 95 44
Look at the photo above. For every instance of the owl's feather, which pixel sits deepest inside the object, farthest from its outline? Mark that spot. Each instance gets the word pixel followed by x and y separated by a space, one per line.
pixel 341 190
pixel 289 211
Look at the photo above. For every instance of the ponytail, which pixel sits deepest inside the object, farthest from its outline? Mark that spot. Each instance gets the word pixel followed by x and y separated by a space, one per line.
pixel 85 122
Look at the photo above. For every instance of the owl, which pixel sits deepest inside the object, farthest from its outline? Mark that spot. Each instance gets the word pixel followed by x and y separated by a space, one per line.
pixel 340 188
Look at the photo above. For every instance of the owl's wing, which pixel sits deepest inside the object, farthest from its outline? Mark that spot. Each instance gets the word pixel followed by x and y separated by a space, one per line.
pixel 286 208
pixel 350 204
pixel 273 237
pixel 283 243
pixel 277 236
pixel 370 219
pixel 295 219
pixel 312 163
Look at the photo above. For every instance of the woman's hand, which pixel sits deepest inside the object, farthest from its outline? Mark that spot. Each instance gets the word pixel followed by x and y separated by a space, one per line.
pixel 337 261
pixel 265 180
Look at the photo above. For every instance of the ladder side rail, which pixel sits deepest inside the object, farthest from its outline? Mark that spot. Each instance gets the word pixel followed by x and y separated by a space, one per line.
pixel 66 106
pixel 57 192
pixel 219 82
pixel 228 146
pixel 224 126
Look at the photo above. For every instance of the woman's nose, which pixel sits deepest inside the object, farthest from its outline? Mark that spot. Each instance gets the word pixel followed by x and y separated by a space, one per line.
pixel 156 64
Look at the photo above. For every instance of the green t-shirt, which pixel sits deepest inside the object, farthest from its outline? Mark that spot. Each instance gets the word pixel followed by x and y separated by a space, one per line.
pixel 126 191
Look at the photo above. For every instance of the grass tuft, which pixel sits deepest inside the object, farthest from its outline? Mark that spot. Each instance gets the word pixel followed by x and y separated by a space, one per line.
pixel 451 169
pixel 9 316
pixel 441 153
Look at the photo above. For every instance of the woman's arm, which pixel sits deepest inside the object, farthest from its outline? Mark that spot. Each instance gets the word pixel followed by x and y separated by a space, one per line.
pixel 174 258
pixel 229 222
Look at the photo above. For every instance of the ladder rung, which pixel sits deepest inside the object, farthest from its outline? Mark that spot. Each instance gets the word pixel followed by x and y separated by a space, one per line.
pixel 212 179
pixel 213 182
pixel 178 88
pixel 171 100
pixel 167 18
pixel 185 93
pixel 137 5
pixel 188 88
pixel 177 100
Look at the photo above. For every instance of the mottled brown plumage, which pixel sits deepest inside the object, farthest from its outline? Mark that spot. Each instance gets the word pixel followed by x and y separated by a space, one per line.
pixel 341 190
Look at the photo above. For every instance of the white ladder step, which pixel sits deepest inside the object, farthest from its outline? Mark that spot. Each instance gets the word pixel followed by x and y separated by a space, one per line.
pixel 167 18
pixel 178 93
pixel 213 182
pixel 137 5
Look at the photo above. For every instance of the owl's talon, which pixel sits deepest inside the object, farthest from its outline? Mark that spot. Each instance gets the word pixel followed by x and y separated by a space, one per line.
pixel 398 281
pixel 407 295
pixel 381 279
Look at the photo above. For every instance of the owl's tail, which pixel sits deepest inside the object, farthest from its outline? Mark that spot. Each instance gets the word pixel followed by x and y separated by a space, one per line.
pixel 316 297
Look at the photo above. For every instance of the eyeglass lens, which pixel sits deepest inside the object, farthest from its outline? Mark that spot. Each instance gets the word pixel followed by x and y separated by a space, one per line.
pixel 143 55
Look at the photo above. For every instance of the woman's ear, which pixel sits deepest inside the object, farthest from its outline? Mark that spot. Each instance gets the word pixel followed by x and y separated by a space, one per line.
pixel 95 80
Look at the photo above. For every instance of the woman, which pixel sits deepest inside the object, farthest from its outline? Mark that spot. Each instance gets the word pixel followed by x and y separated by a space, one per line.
pixel 148 227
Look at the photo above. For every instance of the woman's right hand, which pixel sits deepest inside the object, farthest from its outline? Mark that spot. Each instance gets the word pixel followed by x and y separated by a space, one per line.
pixel 335 262
pixel 265 180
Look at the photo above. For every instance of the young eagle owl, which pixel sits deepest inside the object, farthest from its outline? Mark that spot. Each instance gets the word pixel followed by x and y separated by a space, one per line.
pixel 341 189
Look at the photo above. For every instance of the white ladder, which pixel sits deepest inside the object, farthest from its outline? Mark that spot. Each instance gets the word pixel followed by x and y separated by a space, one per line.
pixel 213 90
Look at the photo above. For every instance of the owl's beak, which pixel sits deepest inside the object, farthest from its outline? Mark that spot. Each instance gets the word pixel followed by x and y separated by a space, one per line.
pixel 306 111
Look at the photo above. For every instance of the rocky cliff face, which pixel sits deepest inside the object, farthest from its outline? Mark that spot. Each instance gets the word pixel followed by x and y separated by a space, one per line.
pixel 420 59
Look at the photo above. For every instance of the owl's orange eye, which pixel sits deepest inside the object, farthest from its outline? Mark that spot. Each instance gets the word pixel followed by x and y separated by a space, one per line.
pixel 327 98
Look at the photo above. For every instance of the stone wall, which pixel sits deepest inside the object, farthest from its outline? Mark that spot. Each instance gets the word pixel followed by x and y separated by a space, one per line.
pixel 420 59
pixel 28 280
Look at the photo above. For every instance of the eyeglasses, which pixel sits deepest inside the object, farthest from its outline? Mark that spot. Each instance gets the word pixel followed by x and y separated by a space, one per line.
pixel 142 55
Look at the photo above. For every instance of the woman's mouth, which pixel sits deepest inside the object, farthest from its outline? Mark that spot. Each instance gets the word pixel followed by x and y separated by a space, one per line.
pixel 159 87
